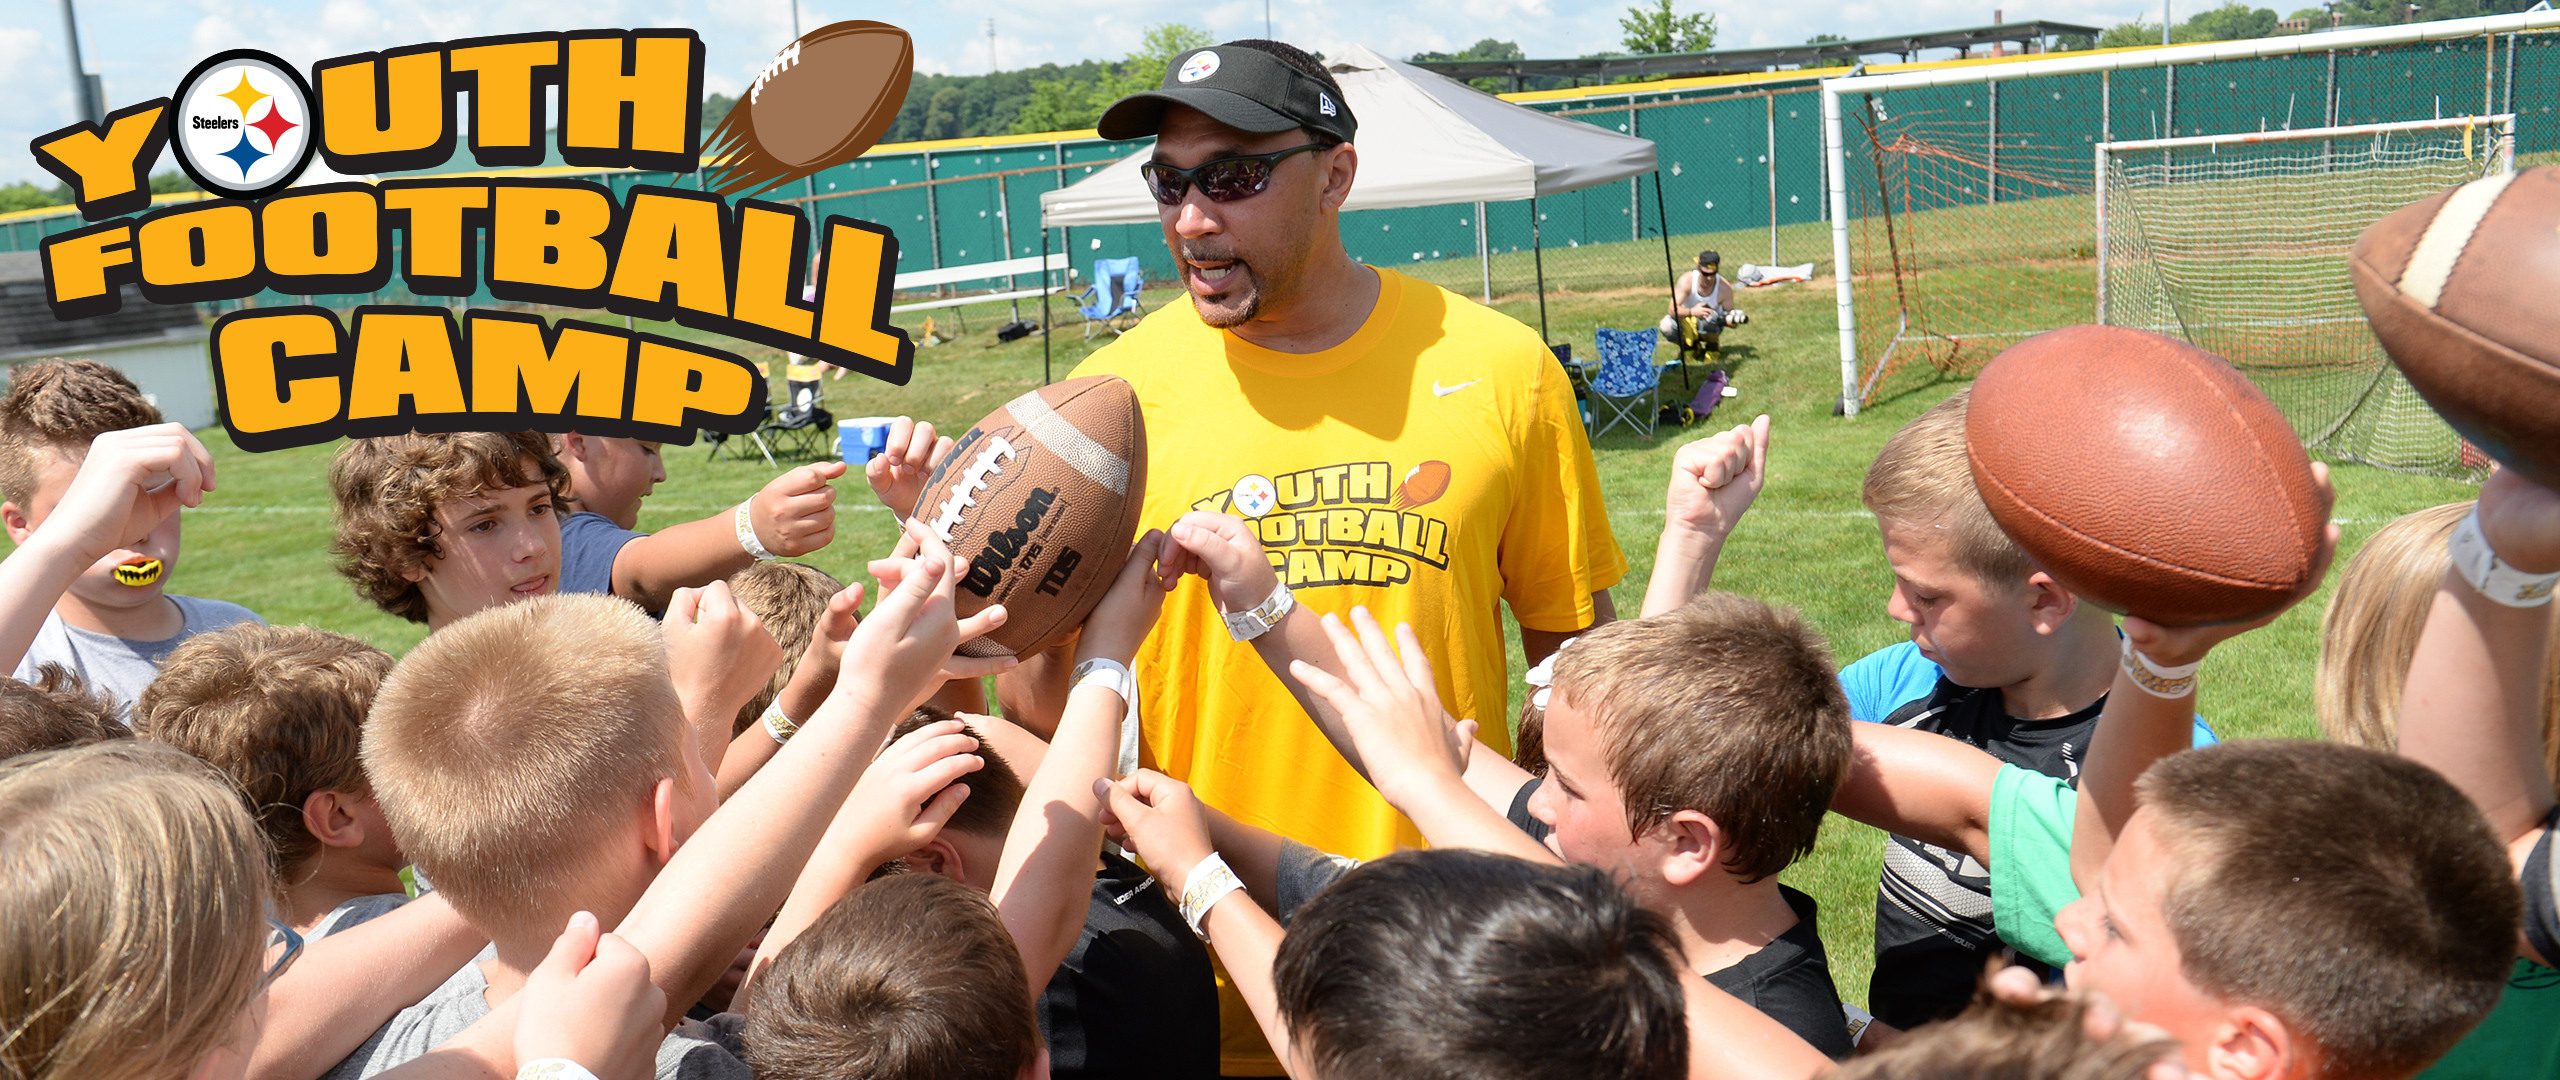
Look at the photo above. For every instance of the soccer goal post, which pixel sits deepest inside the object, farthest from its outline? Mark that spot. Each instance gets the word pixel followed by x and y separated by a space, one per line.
pixel 1962 198
pixel 2239 243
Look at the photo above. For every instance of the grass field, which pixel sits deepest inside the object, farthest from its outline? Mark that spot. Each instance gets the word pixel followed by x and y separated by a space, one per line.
pixel 262 539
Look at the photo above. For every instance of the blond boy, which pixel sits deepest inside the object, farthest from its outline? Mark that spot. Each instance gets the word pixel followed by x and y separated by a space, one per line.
pixel 535 761
pixel 2001 658
pixel 116 621
pixel 280 710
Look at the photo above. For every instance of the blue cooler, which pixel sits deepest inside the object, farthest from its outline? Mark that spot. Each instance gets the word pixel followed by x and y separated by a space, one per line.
pixel 861 438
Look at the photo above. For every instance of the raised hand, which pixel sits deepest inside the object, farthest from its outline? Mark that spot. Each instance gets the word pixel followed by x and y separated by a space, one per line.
pixel 795 514
pixel 591 1002
pixel 907 795
pixel 893 658
pixel 1390 707
pixel 1128 611
pixel 131 481
pixel 1225 553
pixel 2521 521
pixel 898 474
pixel 1714 479
pixel 719 655
pixel 1158 817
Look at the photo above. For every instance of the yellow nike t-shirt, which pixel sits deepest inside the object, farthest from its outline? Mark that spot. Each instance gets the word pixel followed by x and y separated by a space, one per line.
pixel 1433 467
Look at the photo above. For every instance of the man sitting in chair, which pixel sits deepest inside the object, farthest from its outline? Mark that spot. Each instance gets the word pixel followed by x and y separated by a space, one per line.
pixel 1701 308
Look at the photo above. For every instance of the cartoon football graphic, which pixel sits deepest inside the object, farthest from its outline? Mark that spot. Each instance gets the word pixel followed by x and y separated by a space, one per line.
pixel 822 101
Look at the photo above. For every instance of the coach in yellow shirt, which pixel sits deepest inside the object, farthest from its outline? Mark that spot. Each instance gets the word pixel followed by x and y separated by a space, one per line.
pixel 1394 445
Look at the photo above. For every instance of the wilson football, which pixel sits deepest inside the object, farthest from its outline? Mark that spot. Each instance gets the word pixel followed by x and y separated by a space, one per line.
pixel 822 101
pixel 2146 475
pixel 1042 498
pixel 2459 287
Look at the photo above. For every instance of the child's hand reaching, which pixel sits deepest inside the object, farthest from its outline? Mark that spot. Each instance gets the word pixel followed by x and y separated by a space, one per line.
pixel 591 1002
pixel 131 481
pixel 1223 550
pixel 719 655
pixel 1714 479
pixel 1158 817
pixel 898 474
pixel 1128 611
pixel 895 652
pixel 1390 706
pixel 795 514
pixel 911 791
pixel 2521 521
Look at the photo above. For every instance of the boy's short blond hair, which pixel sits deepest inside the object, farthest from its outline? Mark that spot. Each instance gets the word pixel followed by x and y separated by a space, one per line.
pixel 1922 479
pixel 278 709
pixel 57 710
pixel 789 597
pixel 57 407
pixel 509 745
pixel 387 491
pixel 1725 706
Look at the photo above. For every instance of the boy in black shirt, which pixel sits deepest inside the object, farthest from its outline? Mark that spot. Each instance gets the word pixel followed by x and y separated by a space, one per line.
pixel 1693 756
pixel 1134 997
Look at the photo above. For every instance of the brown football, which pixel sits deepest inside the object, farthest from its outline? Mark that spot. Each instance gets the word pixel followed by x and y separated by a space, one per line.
pixel 1042 498
pixel 2146 475
pixel 824 99
pixel 2460 287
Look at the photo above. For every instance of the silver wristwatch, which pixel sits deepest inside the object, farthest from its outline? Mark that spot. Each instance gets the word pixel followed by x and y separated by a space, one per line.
pixel 1248 625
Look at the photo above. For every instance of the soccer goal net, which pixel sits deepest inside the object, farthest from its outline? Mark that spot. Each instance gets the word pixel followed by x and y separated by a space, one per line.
pixel 1965 216
pixel 2239 243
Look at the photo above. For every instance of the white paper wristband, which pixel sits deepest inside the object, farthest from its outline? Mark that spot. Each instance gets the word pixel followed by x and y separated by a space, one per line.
pixel 553 1069
pixel 2489 574
pixel 747 533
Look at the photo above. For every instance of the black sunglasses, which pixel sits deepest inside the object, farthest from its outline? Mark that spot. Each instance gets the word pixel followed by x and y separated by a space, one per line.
pixel 1223 180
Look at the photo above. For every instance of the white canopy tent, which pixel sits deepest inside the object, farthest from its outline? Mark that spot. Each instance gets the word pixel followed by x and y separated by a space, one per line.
pixel 1425 140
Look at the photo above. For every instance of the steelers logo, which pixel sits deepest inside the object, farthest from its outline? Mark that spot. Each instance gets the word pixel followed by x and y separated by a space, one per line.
pixel 242 124
pixel 1254 495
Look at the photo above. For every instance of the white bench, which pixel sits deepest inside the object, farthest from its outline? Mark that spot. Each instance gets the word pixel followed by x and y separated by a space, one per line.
pixel 951 275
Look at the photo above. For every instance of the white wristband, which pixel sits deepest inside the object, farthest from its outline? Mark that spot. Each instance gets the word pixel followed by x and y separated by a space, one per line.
pixel 1209 883
pixel 779 724
pixel 1248 625
pixel 1115 676
pixel 2489 574
pixel 553 1069
pixel 2156 679
pixel 747 533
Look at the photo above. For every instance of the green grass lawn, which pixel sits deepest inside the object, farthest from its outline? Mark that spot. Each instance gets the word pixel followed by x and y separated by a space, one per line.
pixel 262 539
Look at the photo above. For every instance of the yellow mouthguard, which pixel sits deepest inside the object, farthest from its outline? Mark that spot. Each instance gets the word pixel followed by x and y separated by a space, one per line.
pixel 138 573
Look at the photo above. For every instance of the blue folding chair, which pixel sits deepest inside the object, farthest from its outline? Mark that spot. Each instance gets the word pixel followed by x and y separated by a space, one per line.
pixel 1627 375
pixel 1112 293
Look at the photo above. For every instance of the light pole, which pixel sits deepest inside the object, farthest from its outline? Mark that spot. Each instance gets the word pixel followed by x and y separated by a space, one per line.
pixel 2164 22
pixel 84 89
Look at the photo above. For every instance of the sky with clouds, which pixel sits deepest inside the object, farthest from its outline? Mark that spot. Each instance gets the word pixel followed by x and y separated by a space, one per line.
pixel 140 48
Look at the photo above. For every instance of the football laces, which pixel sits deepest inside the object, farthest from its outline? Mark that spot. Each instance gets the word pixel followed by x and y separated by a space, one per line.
pixel 973 480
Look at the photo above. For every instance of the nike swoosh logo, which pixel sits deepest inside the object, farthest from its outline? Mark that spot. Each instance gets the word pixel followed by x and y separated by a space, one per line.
pixel 1445 391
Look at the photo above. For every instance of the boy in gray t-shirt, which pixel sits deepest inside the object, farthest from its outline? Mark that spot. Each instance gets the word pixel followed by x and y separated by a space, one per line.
pixel 114 623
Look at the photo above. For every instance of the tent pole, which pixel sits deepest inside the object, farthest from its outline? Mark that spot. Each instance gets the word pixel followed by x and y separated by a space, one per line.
pixel 1044 303
pixel 1665 215
pixel 1484 254
pixel 1538 252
